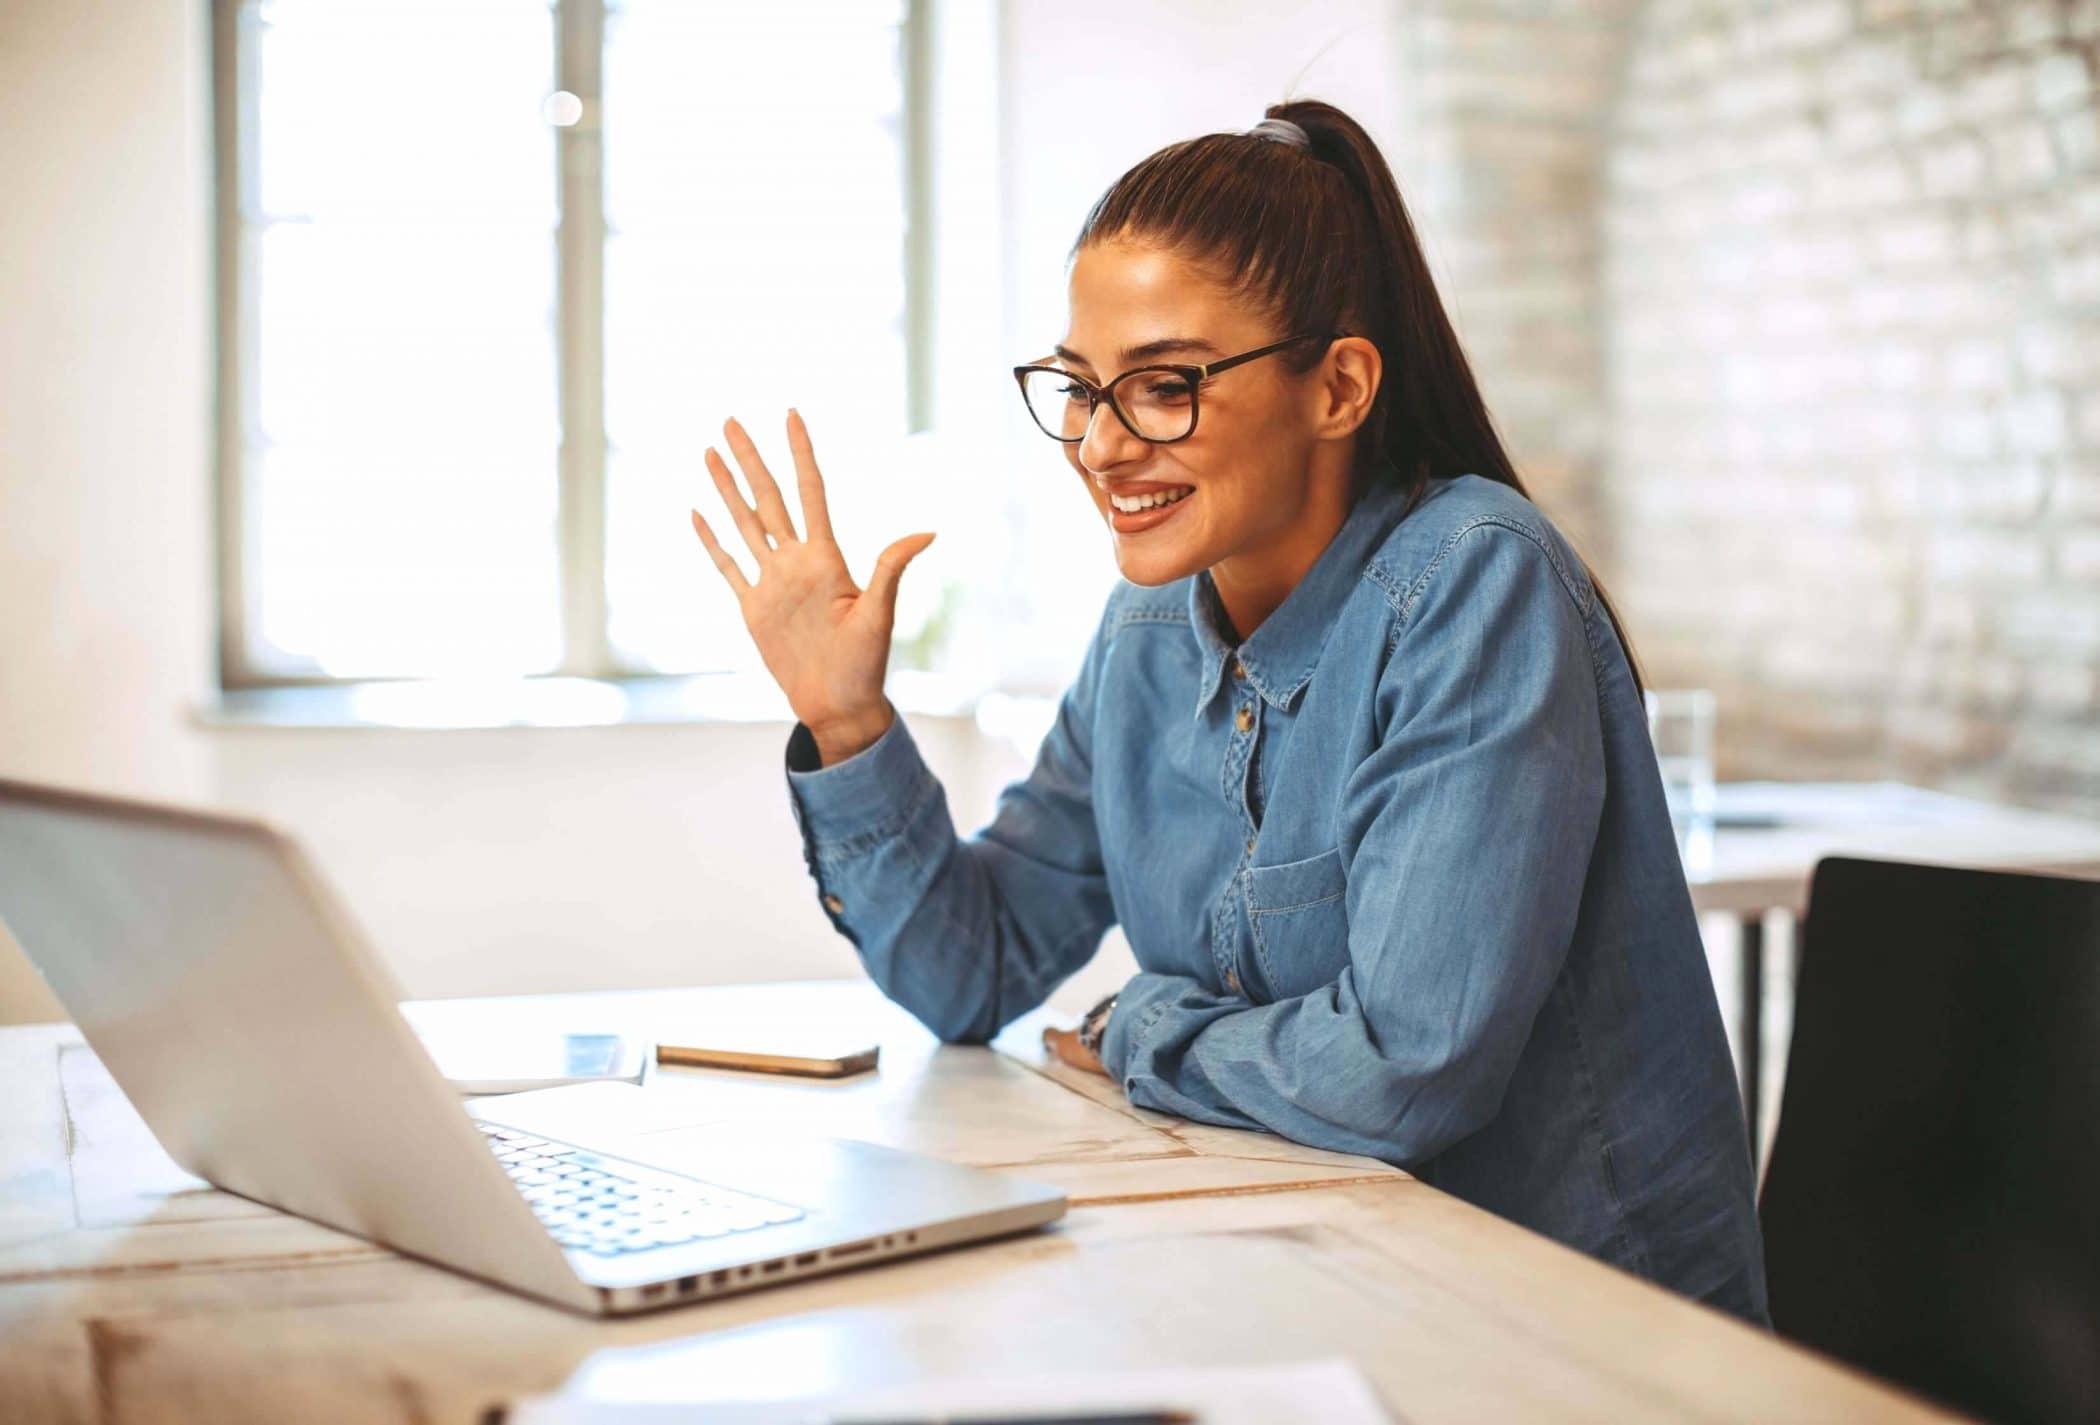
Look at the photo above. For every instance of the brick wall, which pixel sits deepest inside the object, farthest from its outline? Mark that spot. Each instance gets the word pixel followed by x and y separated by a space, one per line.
pixel 1505 179
pixel 1792 309
pixel 1852 301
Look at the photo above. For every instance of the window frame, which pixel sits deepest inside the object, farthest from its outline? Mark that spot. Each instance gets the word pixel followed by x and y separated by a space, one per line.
pixel 587 649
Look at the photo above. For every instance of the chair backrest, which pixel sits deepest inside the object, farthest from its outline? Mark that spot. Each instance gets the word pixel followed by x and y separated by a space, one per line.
pixel 1931 1207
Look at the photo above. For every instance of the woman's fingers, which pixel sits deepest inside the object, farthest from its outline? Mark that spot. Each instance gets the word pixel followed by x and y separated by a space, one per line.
pixel 746 519
pixel 809 484
pixel 889 568
pixel 772 510
pixel 723 562
pixel 1064 1043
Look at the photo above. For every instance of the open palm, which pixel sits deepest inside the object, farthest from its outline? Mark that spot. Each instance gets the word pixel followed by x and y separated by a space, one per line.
pixel 824 638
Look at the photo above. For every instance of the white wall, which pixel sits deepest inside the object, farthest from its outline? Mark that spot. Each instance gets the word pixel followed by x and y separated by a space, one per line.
pixel 104 402
pixel 486 862
pixel 513 860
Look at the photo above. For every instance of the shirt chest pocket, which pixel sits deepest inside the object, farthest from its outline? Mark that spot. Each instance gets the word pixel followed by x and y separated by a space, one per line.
pixel 1299 917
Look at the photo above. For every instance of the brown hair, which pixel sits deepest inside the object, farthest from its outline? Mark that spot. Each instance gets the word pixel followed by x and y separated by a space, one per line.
pixel 1318 238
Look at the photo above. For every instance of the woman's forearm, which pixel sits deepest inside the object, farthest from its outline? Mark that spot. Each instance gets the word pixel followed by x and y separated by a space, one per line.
pixel 965 934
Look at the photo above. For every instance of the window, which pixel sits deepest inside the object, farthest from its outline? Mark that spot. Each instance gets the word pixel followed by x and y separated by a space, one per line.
pixel 493 272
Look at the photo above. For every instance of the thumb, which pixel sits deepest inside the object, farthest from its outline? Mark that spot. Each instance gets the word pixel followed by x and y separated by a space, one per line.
pixel 889 568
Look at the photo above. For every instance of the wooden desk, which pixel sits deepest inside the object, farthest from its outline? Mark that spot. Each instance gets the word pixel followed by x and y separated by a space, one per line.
pixel 131 1293
pixel 1759 855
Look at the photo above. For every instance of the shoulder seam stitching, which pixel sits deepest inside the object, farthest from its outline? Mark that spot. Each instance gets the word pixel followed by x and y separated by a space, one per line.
pixel 1581 596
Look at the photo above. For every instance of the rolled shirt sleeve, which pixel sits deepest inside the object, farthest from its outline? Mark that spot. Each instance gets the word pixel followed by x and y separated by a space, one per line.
pixel 1466 835
pixel 967 934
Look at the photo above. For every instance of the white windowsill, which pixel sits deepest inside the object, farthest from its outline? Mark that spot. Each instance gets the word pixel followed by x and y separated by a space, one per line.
pixel 464 704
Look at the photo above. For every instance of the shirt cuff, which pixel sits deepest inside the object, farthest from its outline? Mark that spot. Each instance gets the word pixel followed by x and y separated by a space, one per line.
pixel 1139 1004
pixel 858 803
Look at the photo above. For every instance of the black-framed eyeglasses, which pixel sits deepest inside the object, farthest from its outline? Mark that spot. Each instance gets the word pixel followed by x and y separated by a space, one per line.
pixel 1154 403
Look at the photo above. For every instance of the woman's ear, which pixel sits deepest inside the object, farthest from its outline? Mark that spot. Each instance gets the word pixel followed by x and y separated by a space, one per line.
pixel 1348 384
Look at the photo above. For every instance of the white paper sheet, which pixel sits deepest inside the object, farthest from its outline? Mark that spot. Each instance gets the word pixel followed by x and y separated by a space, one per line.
pixel 1330 1392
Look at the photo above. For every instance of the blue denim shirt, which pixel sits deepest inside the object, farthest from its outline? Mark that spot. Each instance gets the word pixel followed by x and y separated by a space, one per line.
pixel 1397 870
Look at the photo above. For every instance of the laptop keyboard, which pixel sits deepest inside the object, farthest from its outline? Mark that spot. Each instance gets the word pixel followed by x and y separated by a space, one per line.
pixel 605 1206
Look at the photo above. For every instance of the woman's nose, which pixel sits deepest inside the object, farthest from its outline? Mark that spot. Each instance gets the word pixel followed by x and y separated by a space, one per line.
pixel 1108 442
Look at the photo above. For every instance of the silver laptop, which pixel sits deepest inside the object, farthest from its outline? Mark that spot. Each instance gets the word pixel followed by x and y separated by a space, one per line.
pixel 237 1007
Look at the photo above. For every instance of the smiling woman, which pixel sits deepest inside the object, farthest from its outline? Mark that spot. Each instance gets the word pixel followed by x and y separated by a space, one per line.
pixel 1356 757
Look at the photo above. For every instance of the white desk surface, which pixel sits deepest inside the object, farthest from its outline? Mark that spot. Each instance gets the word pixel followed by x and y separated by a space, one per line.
pixel 130 1293
pixel 1747 869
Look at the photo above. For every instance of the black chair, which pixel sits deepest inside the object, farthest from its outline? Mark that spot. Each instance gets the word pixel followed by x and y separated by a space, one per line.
pixel 1932 1205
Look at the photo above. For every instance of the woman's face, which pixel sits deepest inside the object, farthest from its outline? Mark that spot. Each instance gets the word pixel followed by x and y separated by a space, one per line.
pixel 1247 475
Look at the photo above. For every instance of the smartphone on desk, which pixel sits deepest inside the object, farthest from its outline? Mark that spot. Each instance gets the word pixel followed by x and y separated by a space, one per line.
pixel 813 1052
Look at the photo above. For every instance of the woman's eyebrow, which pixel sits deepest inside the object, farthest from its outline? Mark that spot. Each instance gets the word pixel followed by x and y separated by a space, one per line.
pixel 1148 350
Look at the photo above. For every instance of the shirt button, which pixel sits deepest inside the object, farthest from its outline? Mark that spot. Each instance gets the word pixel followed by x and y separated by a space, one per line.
pixel 1250 846
pixel 1244 720
pixel 1232 981
pixel 1239 669
pixel 834 904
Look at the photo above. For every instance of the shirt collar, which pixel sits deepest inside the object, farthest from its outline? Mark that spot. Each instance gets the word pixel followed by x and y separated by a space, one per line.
pixel 1279 659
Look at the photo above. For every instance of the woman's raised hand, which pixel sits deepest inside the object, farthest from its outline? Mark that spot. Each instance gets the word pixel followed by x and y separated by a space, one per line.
pixel 825 640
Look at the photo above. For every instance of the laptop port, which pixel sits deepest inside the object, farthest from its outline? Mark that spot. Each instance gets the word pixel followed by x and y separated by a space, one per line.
pixel 688 1285
pixel 773 1266
pixel 805 1259
pixel 718 1278
pixel 852 1249
pixel 653 1289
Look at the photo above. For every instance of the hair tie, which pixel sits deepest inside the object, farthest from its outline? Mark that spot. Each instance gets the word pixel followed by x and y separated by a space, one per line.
pixel 1281 131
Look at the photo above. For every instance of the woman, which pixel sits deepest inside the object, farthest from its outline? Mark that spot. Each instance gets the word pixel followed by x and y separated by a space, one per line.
pixel 1356 756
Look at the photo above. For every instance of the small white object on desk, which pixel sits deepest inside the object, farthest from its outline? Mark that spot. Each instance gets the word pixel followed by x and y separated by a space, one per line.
pixel 484 1061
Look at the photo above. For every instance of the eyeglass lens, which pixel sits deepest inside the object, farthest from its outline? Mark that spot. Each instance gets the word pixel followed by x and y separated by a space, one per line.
pixel 1160 404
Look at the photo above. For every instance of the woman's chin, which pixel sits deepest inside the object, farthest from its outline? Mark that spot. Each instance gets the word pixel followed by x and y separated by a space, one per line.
pixel 1153 567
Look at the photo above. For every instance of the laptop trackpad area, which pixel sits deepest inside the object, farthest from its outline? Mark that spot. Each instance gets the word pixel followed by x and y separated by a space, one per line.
pixel 814 1173
pixel 608 1113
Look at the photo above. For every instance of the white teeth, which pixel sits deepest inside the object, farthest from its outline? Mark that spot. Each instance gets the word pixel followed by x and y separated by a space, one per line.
pixel 1132 505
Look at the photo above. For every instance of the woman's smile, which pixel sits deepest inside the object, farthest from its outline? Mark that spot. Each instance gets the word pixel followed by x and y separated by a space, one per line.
pixel 1140 506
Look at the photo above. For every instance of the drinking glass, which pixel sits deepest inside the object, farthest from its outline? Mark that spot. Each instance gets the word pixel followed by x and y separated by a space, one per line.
pixel 1681 725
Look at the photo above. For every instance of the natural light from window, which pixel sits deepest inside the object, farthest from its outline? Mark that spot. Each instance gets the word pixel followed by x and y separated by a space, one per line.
pixel 754 260
pixel 401 470
pixel 402 460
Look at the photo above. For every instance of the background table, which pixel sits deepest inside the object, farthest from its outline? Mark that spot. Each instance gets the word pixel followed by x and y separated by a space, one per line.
pixel 130 1292
pixel 1757 857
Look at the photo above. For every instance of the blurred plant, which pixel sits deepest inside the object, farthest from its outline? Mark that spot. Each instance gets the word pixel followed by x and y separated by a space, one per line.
pixel 922 647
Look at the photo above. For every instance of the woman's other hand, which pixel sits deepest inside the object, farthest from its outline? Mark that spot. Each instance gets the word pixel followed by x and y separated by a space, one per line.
pixel 825 640
pixel 1064 1043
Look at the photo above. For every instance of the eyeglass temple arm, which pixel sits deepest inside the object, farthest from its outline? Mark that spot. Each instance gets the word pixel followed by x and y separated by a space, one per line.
pixel 1231 361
